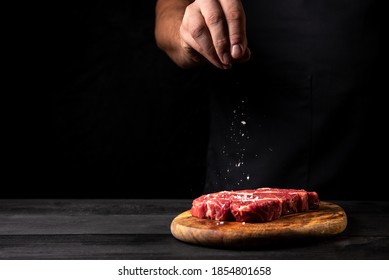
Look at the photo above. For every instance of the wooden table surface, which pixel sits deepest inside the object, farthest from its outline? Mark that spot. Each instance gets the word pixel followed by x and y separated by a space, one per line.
pixel 140 229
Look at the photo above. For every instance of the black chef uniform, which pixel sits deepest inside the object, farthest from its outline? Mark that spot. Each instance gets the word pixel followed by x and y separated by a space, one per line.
pixel 305 111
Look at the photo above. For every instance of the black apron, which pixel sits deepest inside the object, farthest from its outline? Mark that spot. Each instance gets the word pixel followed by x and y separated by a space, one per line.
pixel 306 111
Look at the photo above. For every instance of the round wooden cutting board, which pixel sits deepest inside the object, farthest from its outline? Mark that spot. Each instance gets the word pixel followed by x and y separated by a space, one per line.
pixel 327 221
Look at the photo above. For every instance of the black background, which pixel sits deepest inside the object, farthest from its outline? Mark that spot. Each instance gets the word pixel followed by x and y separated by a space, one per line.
pixel 125 121
pixel 119 120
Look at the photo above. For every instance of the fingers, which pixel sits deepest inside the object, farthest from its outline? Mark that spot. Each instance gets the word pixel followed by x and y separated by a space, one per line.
pixel 196 34
pixel 236 23
pixel 216 29
pixel 214 18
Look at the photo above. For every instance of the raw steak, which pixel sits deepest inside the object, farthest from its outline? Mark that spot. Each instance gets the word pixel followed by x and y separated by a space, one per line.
pixel 259 205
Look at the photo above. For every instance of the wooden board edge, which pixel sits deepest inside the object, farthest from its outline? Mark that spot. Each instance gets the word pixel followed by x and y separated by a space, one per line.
pixel 215 238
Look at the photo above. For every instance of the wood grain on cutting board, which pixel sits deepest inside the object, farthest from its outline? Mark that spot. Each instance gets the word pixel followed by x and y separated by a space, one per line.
pixel 327 221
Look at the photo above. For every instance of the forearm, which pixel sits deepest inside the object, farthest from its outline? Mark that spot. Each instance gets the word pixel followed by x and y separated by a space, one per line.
pixel 169 14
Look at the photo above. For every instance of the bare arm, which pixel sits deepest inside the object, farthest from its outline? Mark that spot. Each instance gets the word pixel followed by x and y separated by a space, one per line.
pixel 193 33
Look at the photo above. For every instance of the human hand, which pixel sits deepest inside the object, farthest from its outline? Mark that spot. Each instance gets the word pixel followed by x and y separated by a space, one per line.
pixel 215 31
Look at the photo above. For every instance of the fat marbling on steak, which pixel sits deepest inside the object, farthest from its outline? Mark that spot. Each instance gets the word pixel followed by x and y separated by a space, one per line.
pixel 257 205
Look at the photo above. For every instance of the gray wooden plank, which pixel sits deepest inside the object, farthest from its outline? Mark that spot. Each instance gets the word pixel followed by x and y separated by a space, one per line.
pixel 25 224
pixel 136 216
pixel 160 246
pixel 93 206
pixel 140 206
pixel 91 224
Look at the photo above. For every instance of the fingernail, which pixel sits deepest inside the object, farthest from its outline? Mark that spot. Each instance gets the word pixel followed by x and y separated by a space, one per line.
pixel 226 59
pixel 236 51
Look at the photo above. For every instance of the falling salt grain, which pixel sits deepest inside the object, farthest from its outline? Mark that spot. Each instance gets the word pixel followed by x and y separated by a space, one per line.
pixel 243 122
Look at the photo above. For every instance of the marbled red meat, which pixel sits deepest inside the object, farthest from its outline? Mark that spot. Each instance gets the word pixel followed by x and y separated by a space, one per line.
pixel 258 205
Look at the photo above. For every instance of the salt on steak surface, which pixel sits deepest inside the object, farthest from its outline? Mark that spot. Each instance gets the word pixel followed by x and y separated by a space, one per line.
pixel 258 205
